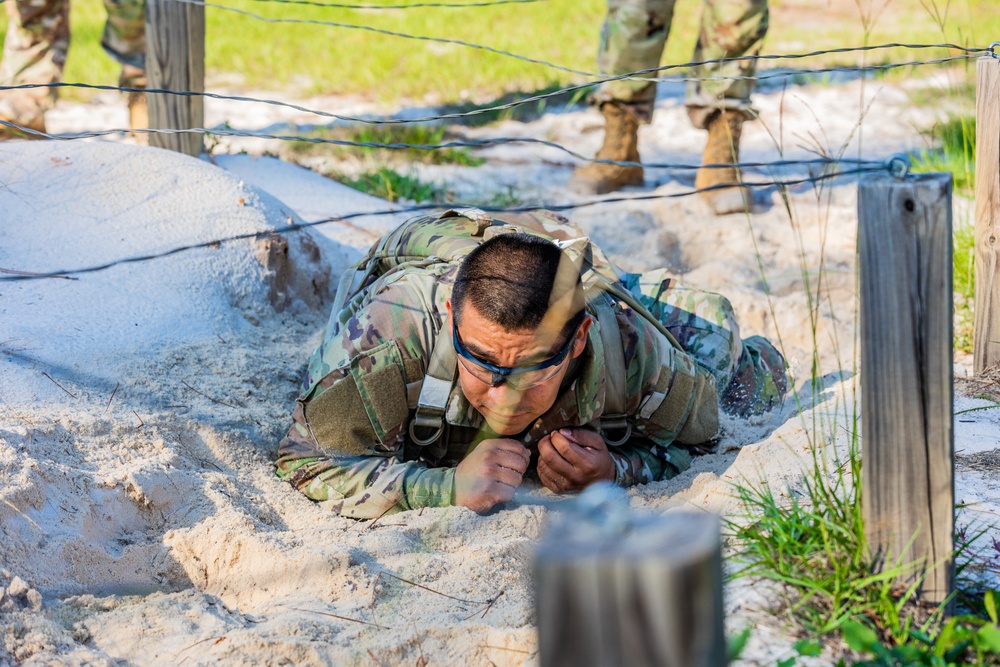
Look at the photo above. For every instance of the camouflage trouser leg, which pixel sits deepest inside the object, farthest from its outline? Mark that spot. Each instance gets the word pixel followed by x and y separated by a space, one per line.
pixel 124 39
pixel 633 36
pixel 34 51
pixel 729 28
pixel 750 373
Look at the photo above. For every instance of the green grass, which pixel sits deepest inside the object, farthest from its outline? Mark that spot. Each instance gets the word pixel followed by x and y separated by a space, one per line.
pixel 412 134
pixel 955 152
pixel 814 545
pixel 321 59
pixel 963 256
pixel 392 185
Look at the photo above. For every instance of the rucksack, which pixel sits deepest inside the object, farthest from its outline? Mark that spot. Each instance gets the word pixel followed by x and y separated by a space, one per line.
pixel 449 238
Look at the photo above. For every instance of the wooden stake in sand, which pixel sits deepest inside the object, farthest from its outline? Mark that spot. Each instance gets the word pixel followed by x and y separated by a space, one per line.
pixel 630 591
pixel 986 343
pixel 175 60
pixel 904 241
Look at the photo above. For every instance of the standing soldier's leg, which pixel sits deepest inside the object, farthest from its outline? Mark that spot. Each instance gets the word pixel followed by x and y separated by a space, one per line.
pixel 125 40
pixel 729 29
pixel 34 51
pixel 632 39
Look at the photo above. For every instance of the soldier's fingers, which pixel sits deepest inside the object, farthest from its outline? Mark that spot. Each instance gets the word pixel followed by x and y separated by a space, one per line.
pixel 514 447
pixel 584 437
pixel 508 476
pixel 511 460
pixel 547 478
pixel 569 451
pixel 502 491
pixel 553 479
pixel 547 450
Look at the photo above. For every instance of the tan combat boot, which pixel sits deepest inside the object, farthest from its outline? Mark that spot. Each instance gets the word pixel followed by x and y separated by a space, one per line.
pixel 621 128
pixel 723 147
pixel 138 111
pixel 138 117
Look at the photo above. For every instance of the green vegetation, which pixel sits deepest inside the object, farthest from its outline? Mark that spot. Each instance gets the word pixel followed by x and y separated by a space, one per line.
pixel 305 58
pixel 955 152
pixel 391 185
pixel 962 641
pixel 814 545
pixel 963 256
pixel 408 134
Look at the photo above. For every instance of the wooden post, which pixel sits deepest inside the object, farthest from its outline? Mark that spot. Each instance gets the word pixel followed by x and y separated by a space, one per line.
pixel 986 344
pixel 904 239
pixel 648 596
pixel 175 60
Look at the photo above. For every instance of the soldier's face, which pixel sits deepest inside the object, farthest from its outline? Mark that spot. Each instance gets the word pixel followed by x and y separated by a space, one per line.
pixel 507 407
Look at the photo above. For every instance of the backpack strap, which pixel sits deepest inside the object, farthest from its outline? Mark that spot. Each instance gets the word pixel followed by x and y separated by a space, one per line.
pixel 427 424
pixel 613 418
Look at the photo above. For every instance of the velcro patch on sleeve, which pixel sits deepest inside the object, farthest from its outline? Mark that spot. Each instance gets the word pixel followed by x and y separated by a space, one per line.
pixel 353 416
pixel 675 406
pixel 379 377
pixel 339 422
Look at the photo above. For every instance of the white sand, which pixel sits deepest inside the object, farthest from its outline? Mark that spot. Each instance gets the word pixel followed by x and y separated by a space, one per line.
pixel 148 527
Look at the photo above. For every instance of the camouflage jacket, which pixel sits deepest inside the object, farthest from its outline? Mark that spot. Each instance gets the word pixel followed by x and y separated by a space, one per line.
pixel 349 444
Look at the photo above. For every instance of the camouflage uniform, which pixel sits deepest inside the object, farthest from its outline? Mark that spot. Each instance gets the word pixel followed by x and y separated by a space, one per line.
pixel 349 444
pixel 633 36
pixel 34 50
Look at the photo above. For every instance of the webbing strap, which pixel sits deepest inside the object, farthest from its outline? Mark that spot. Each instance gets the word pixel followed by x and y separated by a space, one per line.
pixel 434 393
pixel 613 418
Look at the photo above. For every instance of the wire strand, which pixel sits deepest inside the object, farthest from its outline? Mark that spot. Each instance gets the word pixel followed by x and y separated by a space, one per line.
pixel 382 31
pixel 476 143
pixel 535 61
pixel 532 98
pixel 419 208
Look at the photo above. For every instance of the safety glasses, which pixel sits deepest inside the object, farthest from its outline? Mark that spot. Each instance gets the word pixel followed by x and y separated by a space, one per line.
pixel 519 379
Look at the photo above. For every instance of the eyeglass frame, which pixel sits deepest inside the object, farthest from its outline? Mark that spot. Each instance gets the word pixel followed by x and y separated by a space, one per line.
pixel 501 373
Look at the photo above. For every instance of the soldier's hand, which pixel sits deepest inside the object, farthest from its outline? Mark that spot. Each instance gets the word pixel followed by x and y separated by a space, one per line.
pixel 573 459
pixel 490 474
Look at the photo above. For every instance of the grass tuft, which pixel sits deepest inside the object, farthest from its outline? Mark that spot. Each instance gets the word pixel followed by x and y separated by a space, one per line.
pixel 408 134
pixel 814 545
pixel 392 185
pixel 956 152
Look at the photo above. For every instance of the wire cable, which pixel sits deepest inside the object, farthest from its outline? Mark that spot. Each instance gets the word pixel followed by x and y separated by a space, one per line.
pixel 475 143
pixel 531 98
pixel 535 61
pixel 20 276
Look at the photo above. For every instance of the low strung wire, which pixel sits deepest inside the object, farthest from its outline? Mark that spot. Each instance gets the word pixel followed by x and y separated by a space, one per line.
pixel 887 165
pixel 575 88
pixel 466 143
pixel 561 68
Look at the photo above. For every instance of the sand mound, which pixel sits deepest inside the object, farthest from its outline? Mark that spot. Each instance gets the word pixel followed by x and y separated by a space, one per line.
pixel 141 406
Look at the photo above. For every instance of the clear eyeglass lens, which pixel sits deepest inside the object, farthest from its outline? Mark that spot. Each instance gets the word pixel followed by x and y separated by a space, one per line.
pixel 518 381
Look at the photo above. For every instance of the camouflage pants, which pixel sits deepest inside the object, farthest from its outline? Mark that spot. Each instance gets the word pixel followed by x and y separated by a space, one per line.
pixel 34 50
pixel 749 372
pixel 635 32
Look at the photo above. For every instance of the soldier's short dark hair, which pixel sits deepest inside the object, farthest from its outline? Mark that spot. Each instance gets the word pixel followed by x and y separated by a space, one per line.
pixel 512 279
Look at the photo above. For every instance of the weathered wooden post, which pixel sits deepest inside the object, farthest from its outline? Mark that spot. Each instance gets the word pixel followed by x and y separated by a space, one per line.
pixel 175 60
pixel 905 245
pixel 986 343
pixel 630 592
